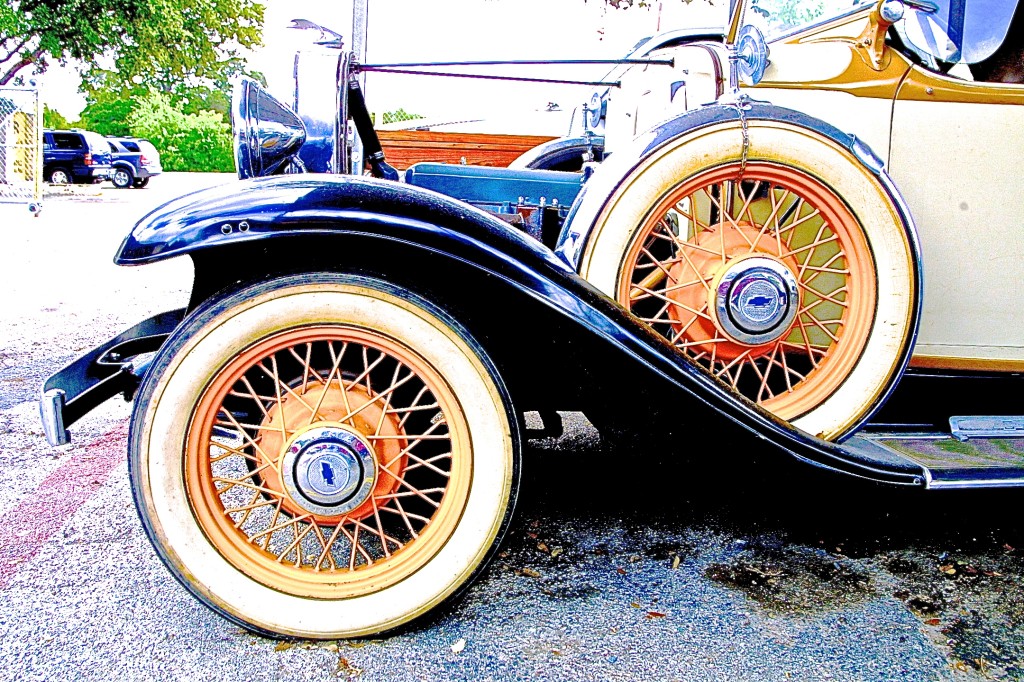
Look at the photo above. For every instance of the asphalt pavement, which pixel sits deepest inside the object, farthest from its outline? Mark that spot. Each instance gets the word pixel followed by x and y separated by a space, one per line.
pixel 712 564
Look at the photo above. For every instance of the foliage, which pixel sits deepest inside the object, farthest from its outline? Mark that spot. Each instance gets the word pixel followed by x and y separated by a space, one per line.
pixel 187 141
pixel 107 116
pixel 398 115
pixel 169 44
pixel 54 119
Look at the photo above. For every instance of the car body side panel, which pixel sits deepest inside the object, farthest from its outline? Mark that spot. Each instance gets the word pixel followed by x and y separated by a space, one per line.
pixel 550 332
pixel 969 221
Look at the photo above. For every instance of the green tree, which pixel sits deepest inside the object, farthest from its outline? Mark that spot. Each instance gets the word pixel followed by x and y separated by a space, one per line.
pixel 187 141
pixel 54 119
pixel 108 115
pixel 165 43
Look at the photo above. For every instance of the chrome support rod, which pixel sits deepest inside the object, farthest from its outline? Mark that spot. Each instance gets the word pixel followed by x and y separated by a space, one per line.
pixel 523 62
pixel 448 74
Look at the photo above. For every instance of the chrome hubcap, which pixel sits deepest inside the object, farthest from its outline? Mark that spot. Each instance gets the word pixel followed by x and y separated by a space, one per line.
pixel 756 300
pixel 329 470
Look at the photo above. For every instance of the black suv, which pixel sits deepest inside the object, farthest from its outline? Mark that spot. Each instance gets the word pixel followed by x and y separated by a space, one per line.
pixel 75 156
pixel 135 160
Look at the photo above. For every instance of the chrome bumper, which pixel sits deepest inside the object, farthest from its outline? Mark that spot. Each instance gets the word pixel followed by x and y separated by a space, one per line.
pixel 116 366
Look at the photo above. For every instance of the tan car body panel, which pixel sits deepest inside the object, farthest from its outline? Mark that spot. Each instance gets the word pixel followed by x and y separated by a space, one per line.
pixel 943 132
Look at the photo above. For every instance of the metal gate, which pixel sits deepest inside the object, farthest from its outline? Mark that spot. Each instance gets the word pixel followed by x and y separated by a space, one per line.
pixel 21 146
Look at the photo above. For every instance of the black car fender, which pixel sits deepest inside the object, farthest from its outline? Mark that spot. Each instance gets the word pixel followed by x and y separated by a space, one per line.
pixel 556 340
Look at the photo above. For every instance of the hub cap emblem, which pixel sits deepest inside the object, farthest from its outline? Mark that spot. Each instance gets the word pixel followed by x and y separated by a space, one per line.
pixel 756 300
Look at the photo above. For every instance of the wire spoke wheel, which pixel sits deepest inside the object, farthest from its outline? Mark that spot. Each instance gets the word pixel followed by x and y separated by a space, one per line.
pixel 765 280
pixel 326 456
pixel 792 277
pixel 323 456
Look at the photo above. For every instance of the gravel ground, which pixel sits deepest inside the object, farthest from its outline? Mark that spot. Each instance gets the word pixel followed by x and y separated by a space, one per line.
pixel 705 571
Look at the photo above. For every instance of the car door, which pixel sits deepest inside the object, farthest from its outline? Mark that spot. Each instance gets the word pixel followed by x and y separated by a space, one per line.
pixel 955 154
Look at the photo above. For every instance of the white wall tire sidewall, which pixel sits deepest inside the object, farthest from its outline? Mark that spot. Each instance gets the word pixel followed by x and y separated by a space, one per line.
pixel 836 168
pixel 179 389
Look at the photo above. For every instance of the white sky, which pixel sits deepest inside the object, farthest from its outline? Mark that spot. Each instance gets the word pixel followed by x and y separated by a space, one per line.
pixel 439 30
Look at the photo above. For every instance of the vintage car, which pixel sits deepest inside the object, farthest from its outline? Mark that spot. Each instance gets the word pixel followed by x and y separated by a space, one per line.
pixel 326 442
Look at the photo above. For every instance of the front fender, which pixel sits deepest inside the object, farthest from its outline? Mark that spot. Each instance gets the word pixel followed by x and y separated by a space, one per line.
pixel 553 336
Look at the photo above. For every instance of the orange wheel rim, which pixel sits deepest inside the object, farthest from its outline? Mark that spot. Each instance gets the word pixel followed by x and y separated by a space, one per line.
pixel 714 224
pixel 310 408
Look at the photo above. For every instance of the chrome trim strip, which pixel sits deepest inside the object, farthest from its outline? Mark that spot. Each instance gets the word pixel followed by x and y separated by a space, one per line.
pixel 981 483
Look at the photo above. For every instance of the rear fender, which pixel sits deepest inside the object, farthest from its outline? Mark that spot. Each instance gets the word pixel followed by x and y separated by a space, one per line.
pixel 557 341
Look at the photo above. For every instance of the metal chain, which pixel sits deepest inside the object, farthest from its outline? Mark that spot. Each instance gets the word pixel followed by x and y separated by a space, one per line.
pixel 742 105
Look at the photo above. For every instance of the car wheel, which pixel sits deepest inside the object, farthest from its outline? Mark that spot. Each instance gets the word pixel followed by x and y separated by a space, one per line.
pixel 140 182
pixel 122 178
pixel 323 456
pixel 788 275
pixel 59 176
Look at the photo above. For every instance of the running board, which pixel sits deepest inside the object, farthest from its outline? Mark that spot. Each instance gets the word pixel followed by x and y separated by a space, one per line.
pixel 977 452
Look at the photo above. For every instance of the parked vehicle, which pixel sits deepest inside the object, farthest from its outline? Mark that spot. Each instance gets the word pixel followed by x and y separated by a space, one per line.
pixel 134 161
pixel 75 156
pixel 326 441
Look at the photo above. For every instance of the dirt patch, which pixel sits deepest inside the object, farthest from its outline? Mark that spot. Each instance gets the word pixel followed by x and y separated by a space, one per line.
pixel 795 580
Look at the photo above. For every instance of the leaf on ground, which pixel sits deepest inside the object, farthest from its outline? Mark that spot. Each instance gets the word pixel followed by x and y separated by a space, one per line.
pixel 458 646
pixel 284 646
pixel 542 547
pixel 933 621
pixel 675 562
pixel 530 573
pixel 556 551
pixel 651 615
pixel 620 571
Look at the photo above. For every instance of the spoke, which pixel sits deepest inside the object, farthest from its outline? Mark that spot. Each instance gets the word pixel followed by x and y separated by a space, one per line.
pixel 796 223
pixel 281 385
pixel 426 435
pixel 414 407
pixel 257 398
pixel 690 214
pixel 767 372
pixel 248 509
pixel 326 554
pixel 659 316
pixel 354 540
pixel 682 330
pixel 335 369
pixel 387 403
pixel 325 546
pixel 384 537
pixel 405 516
pixel 266 538
pixel 231 452
pixel 413 492
pixel 810 350
pixel 658 296
pixel 773 217
pixel 241 483
pixel 738 359
pixel 307 368
pixel 429 464
pixel 825 298
pixel 267 532
pixel 380 528
pixel 821 269
pixel 296 544
pixel 280 400
pixel 823 328
pixel 253 443
pixel 391 389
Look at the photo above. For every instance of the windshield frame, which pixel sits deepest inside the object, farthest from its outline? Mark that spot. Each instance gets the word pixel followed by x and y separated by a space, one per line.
pixel 743 10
